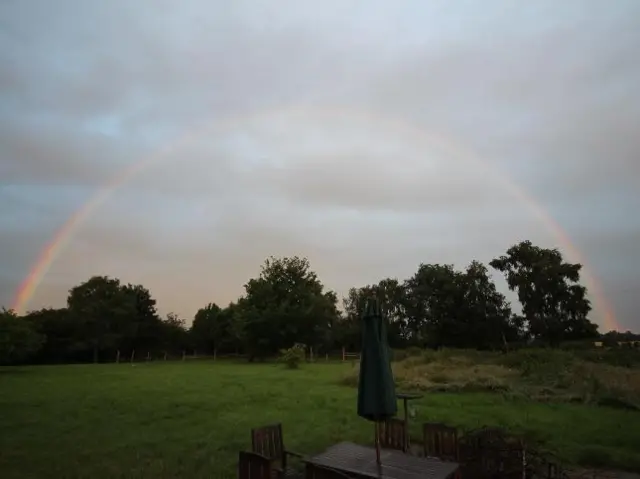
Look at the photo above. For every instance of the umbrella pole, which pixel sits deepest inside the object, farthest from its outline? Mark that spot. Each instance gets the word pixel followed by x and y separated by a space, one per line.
pixel 377 435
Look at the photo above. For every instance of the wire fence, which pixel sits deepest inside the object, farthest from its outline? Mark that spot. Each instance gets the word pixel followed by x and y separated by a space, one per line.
pixel 137 356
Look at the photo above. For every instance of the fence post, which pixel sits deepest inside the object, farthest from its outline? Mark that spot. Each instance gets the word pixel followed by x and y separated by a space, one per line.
pixel 148 356
pixel 118 356
pixel 326 357
pixel 310 354
pixel 133 354
pixel 344 357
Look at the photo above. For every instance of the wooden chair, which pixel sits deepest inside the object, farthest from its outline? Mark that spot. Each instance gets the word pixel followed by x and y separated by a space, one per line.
pixel 393 434
pixel 441 441
pixel 313 471
pixel 268 442
pixel 543 466
pixel 255 466
pixel 489 453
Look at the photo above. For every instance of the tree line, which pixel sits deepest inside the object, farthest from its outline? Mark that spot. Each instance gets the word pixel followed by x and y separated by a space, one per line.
pixel 287 304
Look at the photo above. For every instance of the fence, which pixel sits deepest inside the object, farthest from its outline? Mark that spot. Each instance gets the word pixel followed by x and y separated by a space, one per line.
pixel 145 356
pixel 335 355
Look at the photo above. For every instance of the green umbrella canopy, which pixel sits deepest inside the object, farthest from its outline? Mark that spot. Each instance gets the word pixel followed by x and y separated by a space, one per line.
pixel 376 389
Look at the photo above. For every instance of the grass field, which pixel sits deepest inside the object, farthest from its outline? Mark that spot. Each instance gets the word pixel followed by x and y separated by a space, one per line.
pixel 189 419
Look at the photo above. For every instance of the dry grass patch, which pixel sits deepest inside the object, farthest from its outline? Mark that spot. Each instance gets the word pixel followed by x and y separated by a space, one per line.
pixel 560 375
pixel 454 373
pixel 608 385
pixel 445 373
pixel 538 374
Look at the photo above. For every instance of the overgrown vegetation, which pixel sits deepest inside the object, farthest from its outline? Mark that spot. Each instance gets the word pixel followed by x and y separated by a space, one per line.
pixel 539 374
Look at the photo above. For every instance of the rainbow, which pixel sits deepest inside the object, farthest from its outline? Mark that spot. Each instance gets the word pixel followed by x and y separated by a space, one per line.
pixel 62 236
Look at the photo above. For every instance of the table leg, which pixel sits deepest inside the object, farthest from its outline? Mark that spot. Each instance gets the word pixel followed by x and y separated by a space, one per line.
pixel 406 426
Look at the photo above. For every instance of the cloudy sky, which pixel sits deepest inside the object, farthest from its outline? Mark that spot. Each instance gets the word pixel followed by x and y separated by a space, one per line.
pixel 368 136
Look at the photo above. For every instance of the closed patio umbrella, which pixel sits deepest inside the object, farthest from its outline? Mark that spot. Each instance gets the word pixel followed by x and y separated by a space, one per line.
pixel 376 388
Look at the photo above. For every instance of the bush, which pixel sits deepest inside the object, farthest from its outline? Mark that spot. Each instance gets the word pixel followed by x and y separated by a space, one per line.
pixel 538 362
pixel 293 356
pixel 626 358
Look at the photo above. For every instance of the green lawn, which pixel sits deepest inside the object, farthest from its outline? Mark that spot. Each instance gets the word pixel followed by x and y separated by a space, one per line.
pixel 190 419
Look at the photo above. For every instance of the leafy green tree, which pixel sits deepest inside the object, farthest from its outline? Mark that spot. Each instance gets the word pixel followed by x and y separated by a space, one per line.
pixel 554 304
pixel 432 295
pixel 18 339
pixel 446 307
pixel 63 335
pixel 211 329
pixel 285 305
pixel 143 329
pixel 174 335
pixel 485 313
pixel 103 311
pixel 390 293
pixel 233 318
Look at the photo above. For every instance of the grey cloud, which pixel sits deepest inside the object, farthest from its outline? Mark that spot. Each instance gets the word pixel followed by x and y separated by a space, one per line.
pixel 545 93
pixel 349 181
pixel 219 66
pixel 22 245
pixel 12 200
pixel 622 293
pixel 56 154
pixel 614 253
pixel 566 99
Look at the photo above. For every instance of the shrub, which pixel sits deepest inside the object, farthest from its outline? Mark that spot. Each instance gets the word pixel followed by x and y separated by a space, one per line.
pixel 627 358
pixel 293 356
pixel 538 362
pixel 413 351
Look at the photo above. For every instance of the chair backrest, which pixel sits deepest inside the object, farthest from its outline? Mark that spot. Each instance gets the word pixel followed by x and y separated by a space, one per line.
pixel 491 453
pixel 252 465
pixel 544 466
pixel 314 471
pixel 393 434
pixel 268 442
pixel 440 441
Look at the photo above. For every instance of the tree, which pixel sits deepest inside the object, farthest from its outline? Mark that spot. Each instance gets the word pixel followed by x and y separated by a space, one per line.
pixel 18 339
pixel 463 309
pixel 174 335
pixel 346 327
pixel 104 311
pixel 210 328
pixel 285 305
pixel 432 295
pixel 438 306
pixel 554 305
pixel 63 335
pixel 232 317
pixel 390 293
pixel 143 330
pixel 486 311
